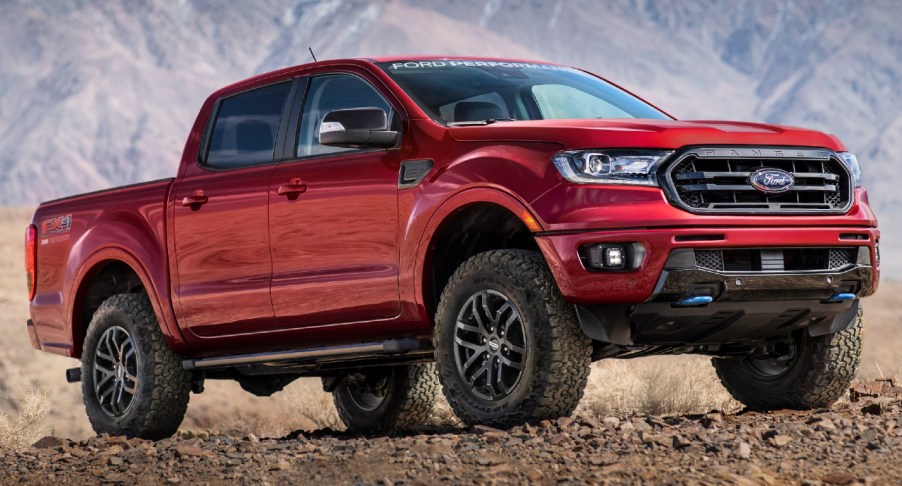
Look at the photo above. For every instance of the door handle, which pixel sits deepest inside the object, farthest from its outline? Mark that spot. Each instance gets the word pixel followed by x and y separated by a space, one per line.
pixel 196 200
pixel 293 189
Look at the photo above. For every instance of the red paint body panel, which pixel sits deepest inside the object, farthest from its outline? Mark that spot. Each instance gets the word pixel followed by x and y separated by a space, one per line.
pixel 660 134
pixel 129 226
pixel 580 286
pixel 347 260
pixel 222 252
pixel 572 207
pixel 335 247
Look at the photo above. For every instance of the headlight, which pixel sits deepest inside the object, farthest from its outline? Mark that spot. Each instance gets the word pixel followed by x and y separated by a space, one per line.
pixel 620 166
pixel 852 163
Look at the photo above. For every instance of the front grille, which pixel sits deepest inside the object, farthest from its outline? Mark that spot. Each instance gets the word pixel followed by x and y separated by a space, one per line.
pixel 840 257
pixel 776 259
pixel 717 181
pixel 709 259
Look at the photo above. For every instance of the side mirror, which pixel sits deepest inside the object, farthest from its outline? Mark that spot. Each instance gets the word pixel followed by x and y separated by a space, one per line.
pixel 357 127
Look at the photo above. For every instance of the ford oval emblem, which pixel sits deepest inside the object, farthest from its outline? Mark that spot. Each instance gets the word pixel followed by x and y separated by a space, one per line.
pixel 772 181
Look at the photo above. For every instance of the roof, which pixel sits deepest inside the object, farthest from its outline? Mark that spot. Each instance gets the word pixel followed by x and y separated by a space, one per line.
pixel 287 72
pixel 448 58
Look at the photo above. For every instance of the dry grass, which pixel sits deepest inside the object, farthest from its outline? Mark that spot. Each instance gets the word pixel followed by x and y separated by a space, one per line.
pixel 660 385
pixel 226 408
pixel 25 424
pixel 883 332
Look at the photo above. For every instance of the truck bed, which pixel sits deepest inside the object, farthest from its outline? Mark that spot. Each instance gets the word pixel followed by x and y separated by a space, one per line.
pixel 74 233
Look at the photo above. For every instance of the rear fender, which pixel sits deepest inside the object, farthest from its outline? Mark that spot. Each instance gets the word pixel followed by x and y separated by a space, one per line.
pixel 129 240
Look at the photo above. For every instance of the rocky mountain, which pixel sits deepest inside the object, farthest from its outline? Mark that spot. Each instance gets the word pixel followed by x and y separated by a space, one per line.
pixel 99 93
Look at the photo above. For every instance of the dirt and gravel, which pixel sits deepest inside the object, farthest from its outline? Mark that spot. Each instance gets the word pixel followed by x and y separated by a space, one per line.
pixel 859 441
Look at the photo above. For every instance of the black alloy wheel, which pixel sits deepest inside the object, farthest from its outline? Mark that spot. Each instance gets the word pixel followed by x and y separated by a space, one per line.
pixel 491 345
pixel 115 371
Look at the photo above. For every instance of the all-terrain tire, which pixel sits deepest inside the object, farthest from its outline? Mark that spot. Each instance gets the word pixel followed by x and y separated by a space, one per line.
pixel 163 390
pixel 820 374
pixel 557 354
pixel 409 397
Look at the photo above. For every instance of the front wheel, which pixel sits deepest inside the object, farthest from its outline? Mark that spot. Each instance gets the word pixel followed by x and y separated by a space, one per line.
pixel 813 374
pixel 508 348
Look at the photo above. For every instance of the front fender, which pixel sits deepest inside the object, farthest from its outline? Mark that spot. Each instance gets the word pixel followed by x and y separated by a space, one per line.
pixel 508 174
pixel 413 267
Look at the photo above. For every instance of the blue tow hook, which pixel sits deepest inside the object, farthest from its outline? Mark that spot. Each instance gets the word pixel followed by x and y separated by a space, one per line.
pixel 840 297
pixel 694 301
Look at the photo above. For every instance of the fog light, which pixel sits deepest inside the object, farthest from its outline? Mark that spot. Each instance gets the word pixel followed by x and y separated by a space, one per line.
pixel 613 257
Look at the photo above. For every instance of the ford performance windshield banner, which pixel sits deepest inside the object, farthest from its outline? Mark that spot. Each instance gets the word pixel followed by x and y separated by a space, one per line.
pixel 471 63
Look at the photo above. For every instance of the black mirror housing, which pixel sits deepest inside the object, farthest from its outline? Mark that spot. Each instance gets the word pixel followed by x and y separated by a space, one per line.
pixel 357 127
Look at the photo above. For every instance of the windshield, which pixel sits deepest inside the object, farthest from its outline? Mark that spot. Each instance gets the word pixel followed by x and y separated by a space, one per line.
pixel 479 92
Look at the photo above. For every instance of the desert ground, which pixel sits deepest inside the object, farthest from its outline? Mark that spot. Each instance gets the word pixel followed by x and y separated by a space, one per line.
pixel 669 411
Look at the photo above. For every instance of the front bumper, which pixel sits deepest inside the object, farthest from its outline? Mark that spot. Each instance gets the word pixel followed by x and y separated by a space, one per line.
pixel 654 305
pixel 746 307
pixel 582 286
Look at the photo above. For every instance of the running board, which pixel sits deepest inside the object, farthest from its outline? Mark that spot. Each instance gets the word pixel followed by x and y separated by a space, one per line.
pixel 394 347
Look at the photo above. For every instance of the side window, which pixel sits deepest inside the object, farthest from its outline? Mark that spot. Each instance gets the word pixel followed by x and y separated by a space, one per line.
pixel 245 129
pixel 559 101
pixel 334 92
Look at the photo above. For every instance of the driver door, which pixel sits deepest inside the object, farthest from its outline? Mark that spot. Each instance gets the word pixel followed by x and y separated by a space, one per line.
pixel 334 231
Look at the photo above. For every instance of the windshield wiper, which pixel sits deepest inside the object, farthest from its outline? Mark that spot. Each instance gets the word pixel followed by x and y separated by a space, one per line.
pixel 475 123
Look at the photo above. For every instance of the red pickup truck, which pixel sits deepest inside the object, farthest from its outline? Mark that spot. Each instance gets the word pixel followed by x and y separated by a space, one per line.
pixel 491 225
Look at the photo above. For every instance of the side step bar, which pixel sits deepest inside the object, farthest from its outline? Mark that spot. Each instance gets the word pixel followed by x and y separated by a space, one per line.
pixel 395 347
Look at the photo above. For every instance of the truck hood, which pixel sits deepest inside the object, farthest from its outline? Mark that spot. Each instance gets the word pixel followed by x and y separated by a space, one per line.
pixel 663 134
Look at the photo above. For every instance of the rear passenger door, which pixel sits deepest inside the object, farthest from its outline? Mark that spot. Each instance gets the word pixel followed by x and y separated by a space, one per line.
pixel 221 224
pixel 335 239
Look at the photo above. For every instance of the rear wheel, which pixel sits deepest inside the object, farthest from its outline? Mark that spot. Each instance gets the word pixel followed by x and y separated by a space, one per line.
pixel 133 384
pixel 378 400
pixel 813 373
pixel 508 348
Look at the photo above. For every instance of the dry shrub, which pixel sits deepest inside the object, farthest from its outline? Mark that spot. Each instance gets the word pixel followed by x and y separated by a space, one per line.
pixel 661 385
pixel 227 409
pixel 26 425
pixel 442 414
pixel 308 405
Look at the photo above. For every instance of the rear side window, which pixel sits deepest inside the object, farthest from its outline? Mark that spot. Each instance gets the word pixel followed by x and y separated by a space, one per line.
pixel 246 126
